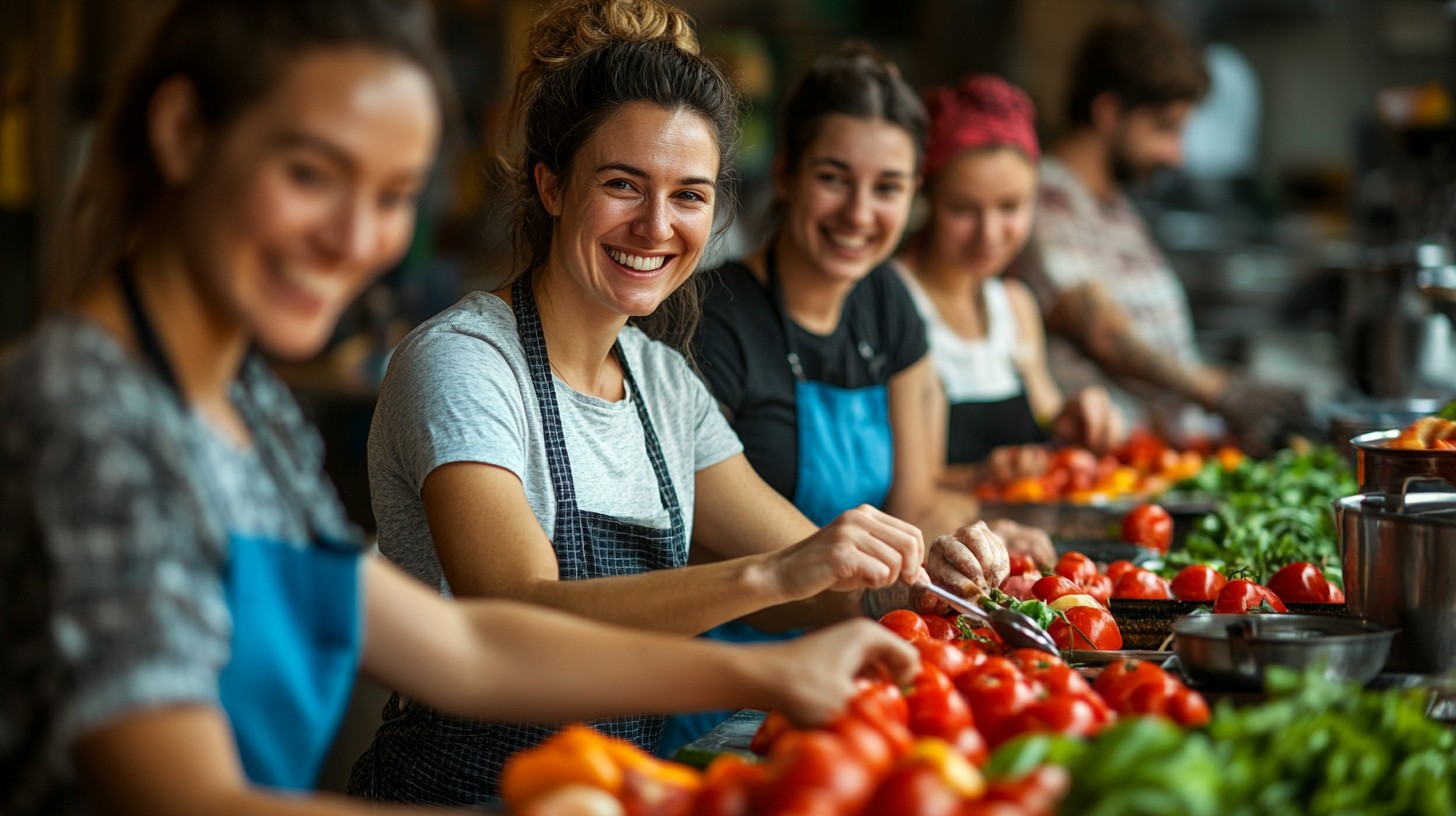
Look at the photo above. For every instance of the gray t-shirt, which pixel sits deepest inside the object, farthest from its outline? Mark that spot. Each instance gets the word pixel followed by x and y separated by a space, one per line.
pixel 458 389
pixel 115 504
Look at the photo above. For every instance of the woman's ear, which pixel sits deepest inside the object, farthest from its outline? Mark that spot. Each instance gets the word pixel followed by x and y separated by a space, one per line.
pixel 548 188
pixel 175 131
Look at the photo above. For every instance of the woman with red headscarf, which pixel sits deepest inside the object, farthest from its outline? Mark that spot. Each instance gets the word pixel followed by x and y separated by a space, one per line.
pixel 986 336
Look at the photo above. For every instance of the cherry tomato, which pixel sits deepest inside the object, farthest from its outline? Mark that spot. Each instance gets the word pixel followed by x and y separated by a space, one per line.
pixel 1075 567
pixel 1086 627
pixel 1242 595
pixel 775 725
pixel 866 742
pixel 1197 582
pixel 940 627
pixel 1140 584
pixel 1333 594
pixel 1300 582
pixel 1148 525
pixel 906 624
pixel 728 784
pixel 1037 793
pixel 996 691
pixel 1052 587
pixel 1116 569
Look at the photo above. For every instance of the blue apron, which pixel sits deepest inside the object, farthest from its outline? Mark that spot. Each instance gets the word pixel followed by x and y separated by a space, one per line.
pixel 296 627
pixel 845 459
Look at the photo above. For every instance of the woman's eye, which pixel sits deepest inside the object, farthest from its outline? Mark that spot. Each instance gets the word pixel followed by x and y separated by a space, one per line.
pixel 831 178
pixel 307 175
pixel 693 195
pixel 618 184
pixel 396 199
pixel 890 189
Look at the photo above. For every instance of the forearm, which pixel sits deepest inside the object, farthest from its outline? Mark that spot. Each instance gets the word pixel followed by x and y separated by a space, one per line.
pixel 685 601
pixel 1104 333
pixel 821 610
pixel 605 671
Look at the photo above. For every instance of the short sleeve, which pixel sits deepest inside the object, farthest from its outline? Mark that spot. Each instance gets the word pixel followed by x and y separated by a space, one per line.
pixel 139 616
pixel 451 396
pixel 719 348
pixel 716 440
pixel 904 327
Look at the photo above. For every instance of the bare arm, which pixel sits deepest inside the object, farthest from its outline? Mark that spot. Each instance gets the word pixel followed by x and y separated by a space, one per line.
pixel 181 761
pixel 490 545
pixel 1095 324
pixel 494 659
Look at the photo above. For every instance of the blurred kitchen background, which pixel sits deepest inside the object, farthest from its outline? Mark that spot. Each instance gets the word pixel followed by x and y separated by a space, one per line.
pixel 1320 187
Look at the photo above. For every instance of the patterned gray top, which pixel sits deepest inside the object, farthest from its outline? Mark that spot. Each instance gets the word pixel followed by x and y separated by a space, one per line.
pixel 115 504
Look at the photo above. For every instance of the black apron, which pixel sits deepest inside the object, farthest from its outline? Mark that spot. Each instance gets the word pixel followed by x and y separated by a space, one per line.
pixel 977 428
pixel 422 755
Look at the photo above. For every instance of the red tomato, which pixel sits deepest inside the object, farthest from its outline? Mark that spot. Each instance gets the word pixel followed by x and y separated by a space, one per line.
pixel 866 742
pixel 1197 582
pixel 936 708
pixel 996 691
pixel 1242 595
pixel 815 768
pixel 1148 525
pixel 1099 587
pixel 914 790
pixel 1140 584
pixel 1116 569
pixel 1052 587
pixel 775 725
pixel 1170 699
pixel 1334 594
pixel 1022 563
pixel 1117 681
pixel 1300 582
pixel 728 784
pixel 944 656
pixel 1188 708
pixel 1019 586
pixel 1086 627
pixel 1075 567
pixel 906 624
pixel 940 628
pixel 1060 714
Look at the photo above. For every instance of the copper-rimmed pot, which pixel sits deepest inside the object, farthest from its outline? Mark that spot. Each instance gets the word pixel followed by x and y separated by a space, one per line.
pixel 1395 472
pixel 1399 556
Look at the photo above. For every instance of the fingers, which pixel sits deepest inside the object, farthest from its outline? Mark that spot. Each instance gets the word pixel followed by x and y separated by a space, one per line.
pixel 862 548
pixel 989 550
pixel 824 666
pixel 953 565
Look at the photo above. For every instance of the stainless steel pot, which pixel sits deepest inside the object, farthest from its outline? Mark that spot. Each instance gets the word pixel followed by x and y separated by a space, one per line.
pixel 1395 472
pixel 1236 650
pixel 1399 556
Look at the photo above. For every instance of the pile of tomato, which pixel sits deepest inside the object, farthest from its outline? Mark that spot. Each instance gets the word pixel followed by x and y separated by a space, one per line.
pixel 1143 466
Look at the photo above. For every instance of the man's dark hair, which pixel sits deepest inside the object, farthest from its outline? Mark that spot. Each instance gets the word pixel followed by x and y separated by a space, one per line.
pixel 1146 61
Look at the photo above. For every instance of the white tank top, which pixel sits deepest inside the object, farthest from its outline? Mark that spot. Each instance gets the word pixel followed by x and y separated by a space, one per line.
pixel 983 370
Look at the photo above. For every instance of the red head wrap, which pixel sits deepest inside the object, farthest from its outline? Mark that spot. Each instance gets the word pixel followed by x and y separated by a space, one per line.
pixel 983 111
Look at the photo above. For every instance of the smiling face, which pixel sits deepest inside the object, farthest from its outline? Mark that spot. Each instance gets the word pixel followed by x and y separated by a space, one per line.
pixel 982 205
pixel 849 198
pixel 307 196
pixel 636 211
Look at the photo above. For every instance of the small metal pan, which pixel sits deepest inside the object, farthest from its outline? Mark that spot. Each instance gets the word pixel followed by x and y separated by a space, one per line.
pixel 1234 650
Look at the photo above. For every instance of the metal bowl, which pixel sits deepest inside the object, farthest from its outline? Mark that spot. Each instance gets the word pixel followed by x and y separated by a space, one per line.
pixel 1397 471
pixel 1235 650
pixel 1399 561
pixel 1350 419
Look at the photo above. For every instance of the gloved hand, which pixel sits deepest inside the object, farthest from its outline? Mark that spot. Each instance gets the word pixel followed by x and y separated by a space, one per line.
pixel 1260 414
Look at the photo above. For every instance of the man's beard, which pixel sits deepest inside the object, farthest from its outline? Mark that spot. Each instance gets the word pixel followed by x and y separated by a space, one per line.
pixel 1127 171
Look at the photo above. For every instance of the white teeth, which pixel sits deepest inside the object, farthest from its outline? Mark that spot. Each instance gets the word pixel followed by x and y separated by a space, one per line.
pixel 638 262
pixel 302 279
pixel 849 241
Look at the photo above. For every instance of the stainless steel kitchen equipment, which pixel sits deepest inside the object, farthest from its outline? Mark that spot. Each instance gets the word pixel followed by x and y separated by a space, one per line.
pixel 1399 557
pixel 1236 650
pixel 1395 472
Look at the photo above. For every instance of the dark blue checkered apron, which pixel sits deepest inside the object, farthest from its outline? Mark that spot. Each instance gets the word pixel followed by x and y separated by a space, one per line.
pixel 421 755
